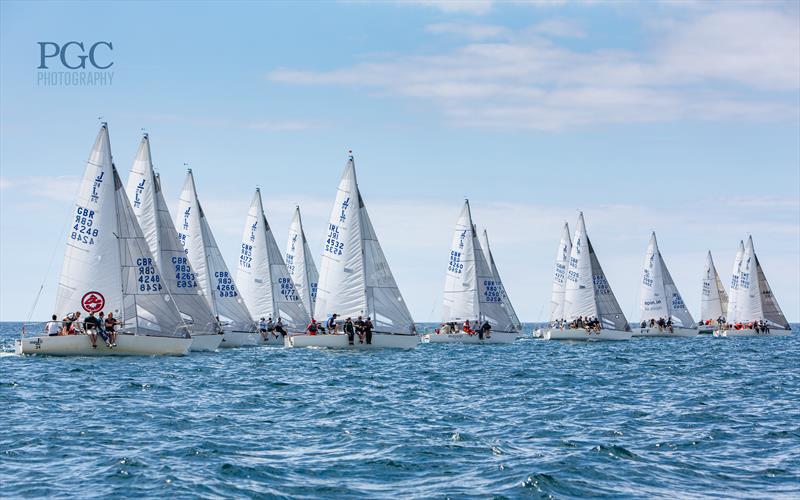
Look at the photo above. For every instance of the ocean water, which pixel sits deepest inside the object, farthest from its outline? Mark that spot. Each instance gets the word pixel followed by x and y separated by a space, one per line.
pixel 666 418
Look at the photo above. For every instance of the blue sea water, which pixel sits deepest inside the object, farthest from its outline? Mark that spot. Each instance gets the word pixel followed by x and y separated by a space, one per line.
pixel 668 418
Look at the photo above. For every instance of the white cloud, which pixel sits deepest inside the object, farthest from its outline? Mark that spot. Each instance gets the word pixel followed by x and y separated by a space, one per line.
pixel 731 64
pixel 56 188
pixel 559 28
pixel 476 7
pixel 472 31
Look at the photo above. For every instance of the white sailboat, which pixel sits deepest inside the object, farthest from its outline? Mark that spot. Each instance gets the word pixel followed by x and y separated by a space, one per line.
pixel 108 267
pixel 263 279
pixel 147 200
pixel 588 295
pixel 355 278
pixel 661 300
pixel 559 287
pixel 733 307
pixel 211 272
pixel 471 292
pixel 501 289
pixel 755 302
pixel 714 299
pixel 300 263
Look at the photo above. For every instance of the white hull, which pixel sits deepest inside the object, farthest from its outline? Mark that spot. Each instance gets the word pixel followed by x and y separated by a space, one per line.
pixel 239 339
pixel 270 339
pixel 749 332
pixel 81 345
pixel 464 338
pixel 581 334
pixel 340 341
pixel 656 332
pixel 706 329
pixel 205 343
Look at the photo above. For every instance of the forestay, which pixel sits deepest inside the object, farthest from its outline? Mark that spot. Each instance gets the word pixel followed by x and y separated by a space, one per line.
pixel 588 293
pixel 262 276
pixel 355 278
pixel 515 324
pixel 300 263
pixel 150 208
pixel 660 297
pixel 756 301
pixel 108 265
pixel 205 258
pixel 714 300
pixel 560 275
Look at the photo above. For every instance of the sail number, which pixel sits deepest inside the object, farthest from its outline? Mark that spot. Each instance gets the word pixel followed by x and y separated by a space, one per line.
pixel 491 292
pixel 287 290
pixel 332 244
pixel 225 286
pixel 600 284
pixel 561 271
pixel 149 280
pixel 246 256
pixel 455 265
pixel 184 277
pixel 83 230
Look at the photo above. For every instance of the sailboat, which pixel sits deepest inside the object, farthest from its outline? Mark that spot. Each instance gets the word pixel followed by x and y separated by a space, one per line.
pixel 263 279
pixel 472 292
pixel 501 289
pixel 108 267
pixel 661 300
pixel 755 302
pixel 300 263
pixel 210 270
pixel 560 279
pixel 713 301
pixel 588 295
pixel 733 299
pixel 150 208
pixel 355 278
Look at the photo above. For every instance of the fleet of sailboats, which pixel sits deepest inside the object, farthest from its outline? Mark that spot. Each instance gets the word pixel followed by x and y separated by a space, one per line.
pixel 170 291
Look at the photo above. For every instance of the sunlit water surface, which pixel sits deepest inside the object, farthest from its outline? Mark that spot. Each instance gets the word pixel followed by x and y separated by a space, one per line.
pixel 676 417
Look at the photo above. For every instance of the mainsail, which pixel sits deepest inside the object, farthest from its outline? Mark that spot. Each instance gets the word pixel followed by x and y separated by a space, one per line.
pixel 355 279
pixel 210 269
pixel 756 301
pixel 560 275
pixel 262 276
pixel 300 263
pixel 501 289
pixel 588 293
pixel 144 189
pixel 660 297
pixel 733 304
pixel 714 300
pixel 471 291
pixel 108 265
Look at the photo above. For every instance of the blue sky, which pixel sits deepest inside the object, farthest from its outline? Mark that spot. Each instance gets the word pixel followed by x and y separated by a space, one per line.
pixel 678 117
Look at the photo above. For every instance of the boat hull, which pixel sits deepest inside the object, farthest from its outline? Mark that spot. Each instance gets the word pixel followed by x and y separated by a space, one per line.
pixel 464 338
pixel 270 340
pixel 583 335
pixel 340 341
pixel 81 345
pixel 206 343
pixel 749 332
pixel 232 338
pixel 656 332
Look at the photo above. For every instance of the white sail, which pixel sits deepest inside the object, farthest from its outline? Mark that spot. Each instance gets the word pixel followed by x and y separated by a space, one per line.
pixel 355 279
pixel 262 276
pixel 210 270
pixel 515 324
pixel 150 207
pixel 108 265
pixel 771 311
pixel 471 290
pixel 461 281
pixel 560 275
pixel 660 297
pixel 588 293
pixel 733 307
pixel 300 263
pixel 748 302
pixel 714 300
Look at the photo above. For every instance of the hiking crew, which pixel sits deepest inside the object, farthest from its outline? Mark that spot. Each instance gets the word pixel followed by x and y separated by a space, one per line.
pixel 311 329
pixel 368 329
pixel 52 328
pixel 279 329
pixel 359 324
pixel 332 326
pixel 90 324
pixel 350 330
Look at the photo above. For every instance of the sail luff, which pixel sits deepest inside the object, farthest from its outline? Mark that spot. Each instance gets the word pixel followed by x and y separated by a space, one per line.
pixel 733 302
pixel 560 275
pixel 579 294
pixel 461 301
pixel 653 303
pixel 713 298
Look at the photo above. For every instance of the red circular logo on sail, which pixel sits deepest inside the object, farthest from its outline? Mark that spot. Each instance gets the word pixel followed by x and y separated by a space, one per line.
pixel 93 302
